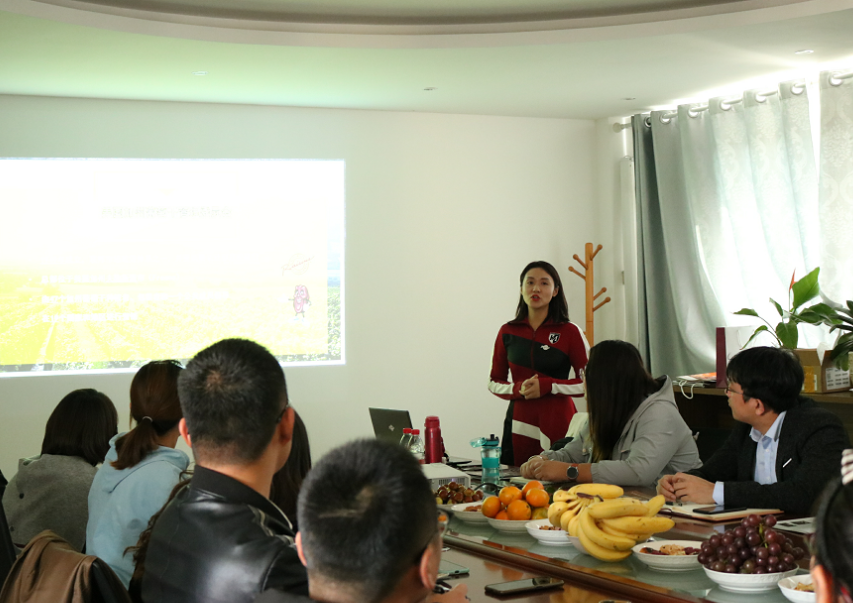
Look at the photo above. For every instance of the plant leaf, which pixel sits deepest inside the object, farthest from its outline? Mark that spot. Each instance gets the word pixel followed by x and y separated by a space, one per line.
pixel 778 307
pixel 754 334
pixel 843 346
pixel 806 289
pixel 810 316
pixel 787 334
pixel 747 312
pixel 827 313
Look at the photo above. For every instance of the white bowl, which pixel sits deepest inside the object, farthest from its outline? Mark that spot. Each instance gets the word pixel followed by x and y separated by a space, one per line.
pixel 576 542
pixel 550 537
pixel 747 583
pixel 669 563
pixel 788 586
pixel 508 525
pixel 469 516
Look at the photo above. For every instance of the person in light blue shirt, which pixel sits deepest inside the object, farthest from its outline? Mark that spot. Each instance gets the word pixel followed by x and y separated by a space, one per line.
pixel 140 471
pixel 782 451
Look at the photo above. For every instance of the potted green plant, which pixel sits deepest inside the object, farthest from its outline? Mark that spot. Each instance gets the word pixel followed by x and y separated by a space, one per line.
pixel 841 320
pixel 800 292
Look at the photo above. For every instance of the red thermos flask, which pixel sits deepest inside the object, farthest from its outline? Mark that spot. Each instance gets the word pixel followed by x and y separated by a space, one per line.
pixel 433 444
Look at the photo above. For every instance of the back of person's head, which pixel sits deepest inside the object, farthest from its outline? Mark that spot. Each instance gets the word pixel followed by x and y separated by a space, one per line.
pixel 772 375
pixel 233 395
pixel 287 482
pixel 558 307
pixel 833 539
pixel 155 407
pixel 617 382
pixel 82 424
pixel 366 516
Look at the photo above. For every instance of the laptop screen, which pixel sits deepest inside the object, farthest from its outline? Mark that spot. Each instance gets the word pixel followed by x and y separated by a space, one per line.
pixel 388 423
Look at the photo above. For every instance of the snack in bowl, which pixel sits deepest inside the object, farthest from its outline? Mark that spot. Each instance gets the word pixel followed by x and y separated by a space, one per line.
pixel 671 549
pixel 669 555
pixel 469 513
pixel 798 589
pixel 547 534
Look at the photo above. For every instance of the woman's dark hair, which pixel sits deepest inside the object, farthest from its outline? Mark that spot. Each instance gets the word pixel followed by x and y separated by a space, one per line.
pixel 616 384
pixel 154 406
pixel 558 308
pixel 287 482
pixel 833 539
pixel 82 424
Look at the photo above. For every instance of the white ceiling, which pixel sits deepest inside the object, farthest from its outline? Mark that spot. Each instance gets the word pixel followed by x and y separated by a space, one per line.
pixel 540 58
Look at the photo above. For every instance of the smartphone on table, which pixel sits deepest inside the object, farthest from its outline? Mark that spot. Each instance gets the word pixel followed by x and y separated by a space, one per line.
pixel 717 510
pixel 520 586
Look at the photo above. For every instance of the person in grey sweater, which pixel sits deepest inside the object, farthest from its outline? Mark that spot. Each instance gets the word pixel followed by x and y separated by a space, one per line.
pixel 51 490
pixel 635 432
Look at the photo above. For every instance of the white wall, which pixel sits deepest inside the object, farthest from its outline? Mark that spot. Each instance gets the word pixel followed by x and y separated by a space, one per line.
pixel 443 211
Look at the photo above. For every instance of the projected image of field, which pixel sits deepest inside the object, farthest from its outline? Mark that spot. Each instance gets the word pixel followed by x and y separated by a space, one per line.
pixel 108 275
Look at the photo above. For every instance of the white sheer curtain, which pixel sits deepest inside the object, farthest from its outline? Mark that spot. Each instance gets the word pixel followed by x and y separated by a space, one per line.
pixel 836 187
pixel 734 204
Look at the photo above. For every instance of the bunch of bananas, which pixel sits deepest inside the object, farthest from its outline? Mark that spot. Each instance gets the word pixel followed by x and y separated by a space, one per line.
pixel 607 524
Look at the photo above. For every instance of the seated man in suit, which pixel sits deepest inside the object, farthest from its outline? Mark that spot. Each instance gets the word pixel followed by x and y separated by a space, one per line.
pixel 783 450
pixel 368 529
pixel 220 539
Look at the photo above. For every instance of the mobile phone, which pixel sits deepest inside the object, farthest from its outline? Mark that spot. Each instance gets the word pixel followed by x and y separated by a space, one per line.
pixel 717 510
pixel 519 586
pixel 448 568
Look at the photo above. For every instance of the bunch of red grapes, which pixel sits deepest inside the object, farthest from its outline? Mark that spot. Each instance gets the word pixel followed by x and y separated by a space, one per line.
pixel 753 547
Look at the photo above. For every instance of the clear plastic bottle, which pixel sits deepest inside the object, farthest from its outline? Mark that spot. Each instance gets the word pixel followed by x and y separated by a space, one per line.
pixel 406 439
pixel 417 445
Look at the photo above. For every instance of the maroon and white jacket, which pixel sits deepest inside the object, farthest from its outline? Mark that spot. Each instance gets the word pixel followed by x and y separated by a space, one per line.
pixel 556 352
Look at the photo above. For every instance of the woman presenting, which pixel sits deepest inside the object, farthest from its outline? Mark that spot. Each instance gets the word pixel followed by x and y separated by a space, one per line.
pixel 635 432
pixel 536 365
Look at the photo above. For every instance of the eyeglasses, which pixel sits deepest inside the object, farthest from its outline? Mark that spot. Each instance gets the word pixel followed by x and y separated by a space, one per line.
pixel 729 390
pixel 281 414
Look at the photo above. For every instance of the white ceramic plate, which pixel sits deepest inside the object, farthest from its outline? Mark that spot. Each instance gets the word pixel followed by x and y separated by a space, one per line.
pixel 669 563
pixel 747 583
pixel 787 586
pixel 469 516
pixel 550 537
pixel 508 525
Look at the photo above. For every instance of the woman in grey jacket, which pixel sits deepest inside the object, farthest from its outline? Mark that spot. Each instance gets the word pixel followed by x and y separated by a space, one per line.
pixel 635 432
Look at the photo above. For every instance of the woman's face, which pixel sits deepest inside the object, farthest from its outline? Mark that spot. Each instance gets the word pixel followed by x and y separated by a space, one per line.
pixel 537 289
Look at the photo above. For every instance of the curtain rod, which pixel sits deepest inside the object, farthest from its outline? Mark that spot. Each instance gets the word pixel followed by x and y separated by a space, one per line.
pixel 727 104
pixel 837 78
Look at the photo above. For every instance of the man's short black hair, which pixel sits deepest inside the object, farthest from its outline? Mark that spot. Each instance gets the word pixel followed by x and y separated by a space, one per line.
pixel 366 515
pixel 232 395
pixel 772 375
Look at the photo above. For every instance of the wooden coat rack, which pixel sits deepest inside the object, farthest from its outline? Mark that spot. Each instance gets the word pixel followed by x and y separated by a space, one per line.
pixel 590 298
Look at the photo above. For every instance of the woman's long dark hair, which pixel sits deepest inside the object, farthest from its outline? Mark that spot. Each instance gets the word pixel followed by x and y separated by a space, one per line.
pixel 154 406
pixel 616 384
pixel 82 424
pixel 558 308
pixel 833 540
pixel 287 482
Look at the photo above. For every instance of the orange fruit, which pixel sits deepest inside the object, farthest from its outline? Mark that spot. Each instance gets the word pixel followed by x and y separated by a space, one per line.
pixel 509 494
pixel 502 515
pixel 540 513
pixel 531 485
pixel 538 498
pixel 491 506
pixel 518 509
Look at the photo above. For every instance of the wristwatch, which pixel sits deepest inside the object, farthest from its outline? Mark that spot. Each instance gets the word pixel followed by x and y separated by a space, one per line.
pixel 572 473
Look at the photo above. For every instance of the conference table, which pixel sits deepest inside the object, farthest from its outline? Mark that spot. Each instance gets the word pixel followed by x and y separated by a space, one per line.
pixel 494 556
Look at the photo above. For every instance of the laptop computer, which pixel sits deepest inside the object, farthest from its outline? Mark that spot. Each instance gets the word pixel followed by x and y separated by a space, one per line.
pixel 388 423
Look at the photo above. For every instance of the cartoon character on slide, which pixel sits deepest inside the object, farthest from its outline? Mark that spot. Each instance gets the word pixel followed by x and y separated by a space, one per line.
pixel 300 300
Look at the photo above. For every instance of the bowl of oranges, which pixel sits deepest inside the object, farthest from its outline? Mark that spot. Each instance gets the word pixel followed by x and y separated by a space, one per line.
pixel 512 508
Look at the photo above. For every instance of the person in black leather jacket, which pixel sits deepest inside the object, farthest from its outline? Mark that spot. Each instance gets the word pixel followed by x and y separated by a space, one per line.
pixel 368 529
pixel 220 539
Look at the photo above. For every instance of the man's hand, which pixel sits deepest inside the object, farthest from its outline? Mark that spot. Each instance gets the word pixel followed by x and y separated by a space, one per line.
pixel 457 594
pixel 689 488
pixel 666 487
pixel 530 388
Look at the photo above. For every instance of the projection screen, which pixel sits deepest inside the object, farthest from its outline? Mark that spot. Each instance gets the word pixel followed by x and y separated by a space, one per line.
pixel 106 264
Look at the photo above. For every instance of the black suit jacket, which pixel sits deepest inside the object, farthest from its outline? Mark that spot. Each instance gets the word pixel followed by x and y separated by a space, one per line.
pixel 808 457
